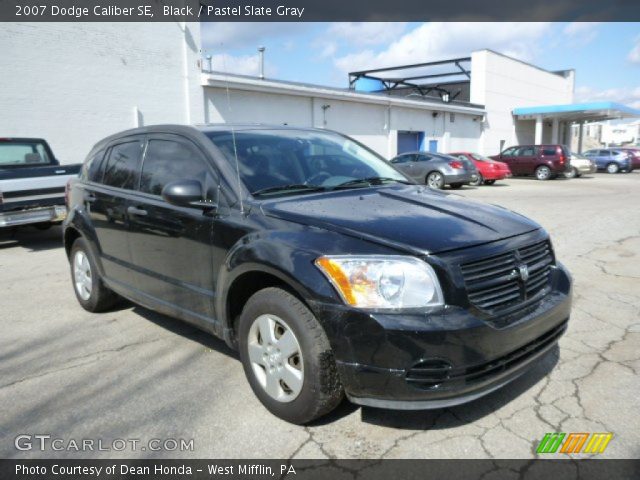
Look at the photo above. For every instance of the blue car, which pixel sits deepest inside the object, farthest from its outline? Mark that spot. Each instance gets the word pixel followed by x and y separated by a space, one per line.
pixel 610 159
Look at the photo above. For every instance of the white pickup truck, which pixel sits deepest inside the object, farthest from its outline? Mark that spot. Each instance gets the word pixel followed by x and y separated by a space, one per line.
pixel 32 183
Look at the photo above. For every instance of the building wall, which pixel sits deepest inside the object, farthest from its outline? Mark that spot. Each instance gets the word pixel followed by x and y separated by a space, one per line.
pixel 75 83
pixel 374 125
pixel 501 84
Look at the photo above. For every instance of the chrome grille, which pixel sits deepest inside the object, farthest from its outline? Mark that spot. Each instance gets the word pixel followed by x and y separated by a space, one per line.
pixel 509 278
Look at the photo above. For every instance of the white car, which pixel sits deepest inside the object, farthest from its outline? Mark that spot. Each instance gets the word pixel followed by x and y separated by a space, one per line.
pixel 580 165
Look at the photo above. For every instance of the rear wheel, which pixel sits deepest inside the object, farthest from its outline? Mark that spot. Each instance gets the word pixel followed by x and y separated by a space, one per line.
pixel 572 173
pixel 435 180
pixel 287 357
pixel 613 168
pixel 489 182
pixel 89 288
pixel 477 180
pixel 543 172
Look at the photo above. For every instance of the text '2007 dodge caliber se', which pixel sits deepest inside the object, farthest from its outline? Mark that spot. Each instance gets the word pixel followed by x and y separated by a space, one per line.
pixel 328 269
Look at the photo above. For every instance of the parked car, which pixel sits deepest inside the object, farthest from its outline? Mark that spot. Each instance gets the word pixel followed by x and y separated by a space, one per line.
pixel 611 160
pixel 580 165
pixel 317 260
pixel 488 170
pixel 543 161
pixel 436 169
pixel 32 183
pixel 635 156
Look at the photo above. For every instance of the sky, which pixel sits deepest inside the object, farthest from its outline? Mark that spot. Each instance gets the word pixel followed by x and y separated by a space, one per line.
pixel 606 56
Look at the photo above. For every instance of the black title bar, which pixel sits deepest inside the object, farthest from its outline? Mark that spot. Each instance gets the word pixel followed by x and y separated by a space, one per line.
pixel 315 10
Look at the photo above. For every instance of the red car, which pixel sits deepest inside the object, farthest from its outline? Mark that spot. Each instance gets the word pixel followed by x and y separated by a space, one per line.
pixel 488 170
pixel 635 156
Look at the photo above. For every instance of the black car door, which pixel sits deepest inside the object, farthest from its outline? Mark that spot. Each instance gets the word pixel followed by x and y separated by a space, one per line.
pixel 105 199
pixel 171 245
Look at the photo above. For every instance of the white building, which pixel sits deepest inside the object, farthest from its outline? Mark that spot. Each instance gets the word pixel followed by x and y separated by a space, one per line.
pixel 75 83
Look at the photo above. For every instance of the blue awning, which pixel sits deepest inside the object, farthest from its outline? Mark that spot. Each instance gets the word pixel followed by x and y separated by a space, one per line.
pixel 591 112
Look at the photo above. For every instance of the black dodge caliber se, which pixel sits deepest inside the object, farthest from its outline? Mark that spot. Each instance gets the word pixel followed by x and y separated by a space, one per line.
pixel 328 270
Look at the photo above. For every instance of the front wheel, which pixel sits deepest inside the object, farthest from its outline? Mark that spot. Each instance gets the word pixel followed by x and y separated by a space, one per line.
pixel 543 172
pixel 287 357
pixel 573 173
pixel 435 180
pixel 613 168
pixel 89 288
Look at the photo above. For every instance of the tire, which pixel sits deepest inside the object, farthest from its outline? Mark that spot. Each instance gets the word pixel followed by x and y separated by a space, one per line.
pixel 578 174
pixel 455 186
pixel 435 180
pixel 573 173
pixel 313 392
pixel 90 290
pixel 478 181
pixel 613 168
pixel 489 182
pixel 543 173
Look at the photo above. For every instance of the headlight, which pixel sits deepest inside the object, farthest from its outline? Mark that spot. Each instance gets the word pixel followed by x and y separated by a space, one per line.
pixel 377 281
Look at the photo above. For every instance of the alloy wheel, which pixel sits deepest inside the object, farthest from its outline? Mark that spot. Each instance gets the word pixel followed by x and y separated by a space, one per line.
pixel 435 180
pixel 543 173
pixel 276 358
pixel 83 279
pixel 612 168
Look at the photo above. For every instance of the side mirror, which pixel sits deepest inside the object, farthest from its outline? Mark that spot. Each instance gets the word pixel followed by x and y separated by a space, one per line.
pixel 186 193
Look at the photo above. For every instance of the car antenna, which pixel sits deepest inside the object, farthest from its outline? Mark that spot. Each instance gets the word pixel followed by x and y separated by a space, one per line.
pixel 233 132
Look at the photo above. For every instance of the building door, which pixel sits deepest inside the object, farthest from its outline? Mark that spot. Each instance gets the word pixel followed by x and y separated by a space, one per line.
pixel 433 146
pixel 409 141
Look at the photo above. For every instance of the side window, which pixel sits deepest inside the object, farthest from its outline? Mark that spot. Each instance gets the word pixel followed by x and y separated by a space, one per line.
pixel 509 152
pixel 121 170
pixel 167 161
pixel 526 152
pixel 401 159
pixel 548 151
pixel 91 170
pixel 605 153
pixel 423 158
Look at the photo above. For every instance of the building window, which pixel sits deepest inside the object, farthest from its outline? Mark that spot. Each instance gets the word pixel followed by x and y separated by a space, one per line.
pixel 452 117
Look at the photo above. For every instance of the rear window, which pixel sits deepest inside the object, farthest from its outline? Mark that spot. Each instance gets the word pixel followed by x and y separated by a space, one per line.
pixel 122 166
pixel 23 153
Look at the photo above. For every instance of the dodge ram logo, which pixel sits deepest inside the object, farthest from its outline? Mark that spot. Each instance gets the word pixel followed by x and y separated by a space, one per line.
pixel 523 270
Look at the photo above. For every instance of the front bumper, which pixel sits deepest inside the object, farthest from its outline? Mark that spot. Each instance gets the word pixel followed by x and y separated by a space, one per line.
pixel 421 361
pixel 16 218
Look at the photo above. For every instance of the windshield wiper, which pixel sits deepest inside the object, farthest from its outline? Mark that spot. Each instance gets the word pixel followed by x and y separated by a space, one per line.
pixel 290 187
pixel 371 181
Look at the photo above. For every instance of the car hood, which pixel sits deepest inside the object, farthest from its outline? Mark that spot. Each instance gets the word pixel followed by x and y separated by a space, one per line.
pixel 408 217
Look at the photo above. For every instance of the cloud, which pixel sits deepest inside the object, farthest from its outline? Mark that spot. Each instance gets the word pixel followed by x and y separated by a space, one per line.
pixel 626 96
pixel 440 40
pixel 231 35
pixel 634 54
pixel 366 33
pixel 581 33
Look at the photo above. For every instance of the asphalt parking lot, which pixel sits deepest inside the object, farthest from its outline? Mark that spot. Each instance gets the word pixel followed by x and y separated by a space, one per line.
pixel 135 374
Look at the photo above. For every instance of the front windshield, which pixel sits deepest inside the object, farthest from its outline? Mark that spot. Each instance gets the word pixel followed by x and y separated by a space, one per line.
pixel 272 161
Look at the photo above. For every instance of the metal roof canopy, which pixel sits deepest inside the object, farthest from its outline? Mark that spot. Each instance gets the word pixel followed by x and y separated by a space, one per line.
pixel 421 71
pixel 578 112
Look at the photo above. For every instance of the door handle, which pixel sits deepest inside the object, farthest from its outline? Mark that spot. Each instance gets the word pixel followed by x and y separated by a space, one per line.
pixel 136 211
pixel 89 197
